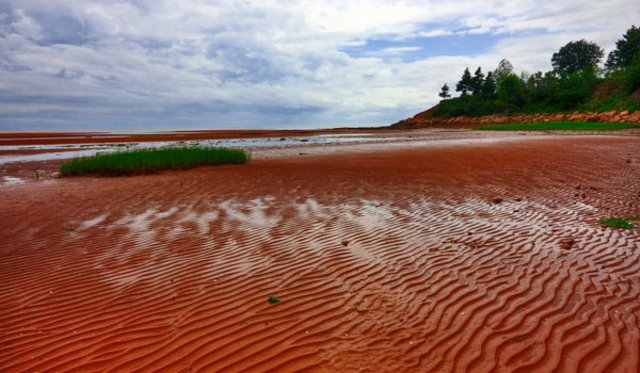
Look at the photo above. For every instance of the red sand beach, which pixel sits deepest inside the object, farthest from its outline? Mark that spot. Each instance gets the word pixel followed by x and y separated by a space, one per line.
pixel 479 256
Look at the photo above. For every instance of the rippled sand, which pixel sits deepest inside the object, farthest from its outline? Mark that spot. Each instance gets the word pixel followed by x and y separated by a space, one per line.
pixel 466 256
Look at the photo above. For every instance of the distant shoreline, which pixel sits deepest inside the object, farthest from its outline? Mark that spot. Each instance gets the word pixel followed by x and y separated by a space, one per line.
pixel 47 138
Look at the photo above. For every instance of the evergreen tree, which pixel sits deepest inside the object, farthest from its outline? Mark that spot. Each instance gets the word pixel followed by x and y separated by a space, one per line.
pixel 444 93
pixel 477 82
pixel 489 86
pixel 534 84
pixel 466 82
pixel 626 48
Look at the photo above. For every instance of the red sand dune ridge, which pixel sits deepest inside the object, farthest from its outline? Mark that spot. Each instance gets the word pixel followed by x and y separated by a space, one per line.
pixel 473 258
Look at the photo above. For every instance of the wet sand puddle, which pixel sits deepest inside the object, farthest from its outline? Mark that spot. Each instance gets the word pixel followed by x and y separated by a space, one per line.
pixel 45 152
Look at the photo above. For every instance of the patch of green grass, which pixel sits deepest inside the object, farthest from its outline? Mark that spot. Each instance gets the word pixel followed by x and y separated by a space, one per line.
pixel 273 299
pixel 563 126
pixel 145 161
pixel 618 222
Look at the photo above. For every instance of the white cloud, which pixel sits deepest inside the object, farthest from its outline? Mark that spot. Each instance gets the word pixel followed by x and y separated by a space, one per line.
pixel 267 63
pixel 434 33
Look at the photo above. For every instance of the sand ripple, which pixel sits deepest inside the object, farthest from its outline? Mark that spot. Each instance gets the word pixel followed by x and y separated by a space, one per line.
pixel 417 271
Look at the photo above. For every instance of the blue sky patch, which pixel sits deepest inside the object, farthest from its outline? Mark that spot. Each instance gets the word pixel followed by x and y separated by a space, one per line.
pixel 460 43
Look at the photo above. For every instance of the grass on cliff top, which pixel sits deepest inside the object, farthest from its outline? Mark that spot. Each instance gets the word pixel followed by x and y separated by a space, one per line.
pixel 562 126
pixel 145 161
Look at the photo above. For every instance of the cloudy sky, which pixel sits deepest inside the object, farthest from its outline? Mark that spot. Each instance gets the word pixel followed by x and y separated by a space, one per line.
pixel 101 64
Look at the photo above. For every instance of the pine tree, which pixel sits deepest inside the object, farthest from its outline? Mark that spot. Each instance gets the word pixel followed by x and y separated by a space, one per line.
pixel 465 83
pixel 489 86
pixel 444 93
pixel 477 82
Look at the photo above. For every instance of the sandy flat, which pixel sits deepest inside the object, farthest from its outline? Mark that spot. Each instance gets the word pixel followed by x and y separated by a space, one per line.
pixel 441 255
pixel 33 138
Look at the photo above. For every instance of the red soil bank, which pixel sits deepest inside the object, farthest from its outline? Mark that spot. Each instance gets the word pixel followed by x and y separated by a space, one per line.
pixel 426 120
pixel 468 258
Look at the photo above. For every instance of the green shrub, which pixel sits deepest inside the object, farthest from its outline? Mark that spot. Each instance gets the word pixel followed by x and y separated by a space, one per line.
pixel 273 299
pixel 564 126
pixel 618 222
pixel 465 105
pixel 576 88
pixel 511 94
pixel 631 74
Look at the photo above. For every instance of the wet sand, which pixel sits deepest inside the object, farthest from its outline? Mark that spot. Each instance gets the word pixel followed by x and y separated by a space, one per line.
pixel 38 138
pixel 474 255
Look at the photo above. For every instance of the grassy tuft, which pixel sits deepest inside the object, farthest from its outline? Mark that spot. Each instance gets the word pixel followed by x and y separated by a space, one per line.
pixel 273 299
pixel 145 161
pixel 618 222
pixel 563 126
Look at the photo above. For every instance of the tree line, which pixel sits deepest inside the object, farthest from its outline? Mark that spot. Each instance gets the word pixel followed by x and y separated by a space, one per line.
pixel 568 86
